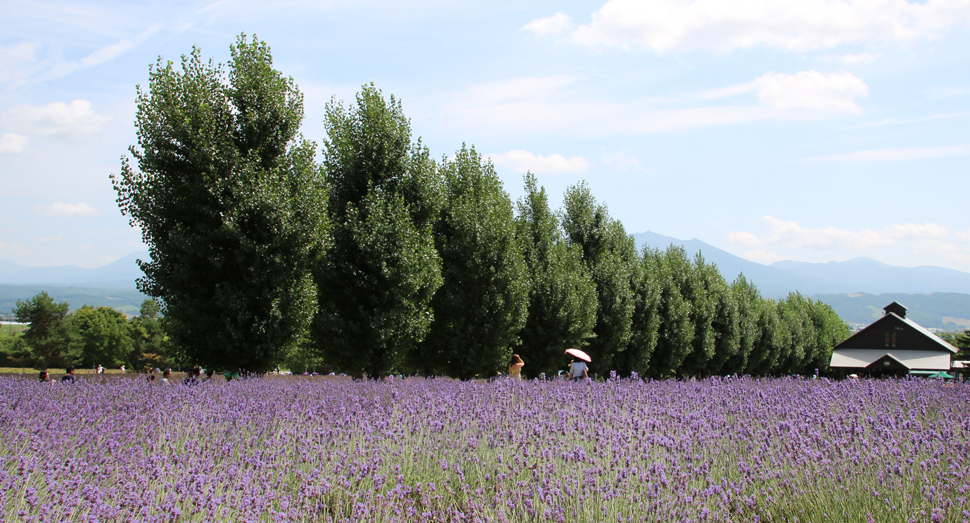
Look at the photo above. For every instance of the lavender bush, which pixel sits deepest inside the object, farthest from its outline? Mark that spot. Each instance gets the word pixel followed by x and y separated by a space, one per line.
pixel 324 449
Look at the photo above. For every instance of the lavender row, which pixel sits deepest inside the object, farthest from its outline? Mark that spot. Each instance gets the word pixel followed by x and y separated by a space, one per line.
pixel 327 449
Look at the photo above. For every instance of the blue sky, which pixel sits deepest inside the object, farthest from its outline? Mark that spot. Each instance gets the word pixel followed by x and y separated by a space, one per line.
pixel 816 130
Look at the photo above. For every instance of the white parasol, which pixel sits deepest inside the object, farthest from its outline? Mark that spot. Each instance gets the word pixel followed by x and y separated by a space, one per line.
pixel 579 355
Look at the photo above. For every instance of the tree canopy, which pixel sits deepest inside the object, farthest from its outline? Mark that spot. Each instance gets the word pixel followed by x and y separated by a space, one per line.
pixel 229 200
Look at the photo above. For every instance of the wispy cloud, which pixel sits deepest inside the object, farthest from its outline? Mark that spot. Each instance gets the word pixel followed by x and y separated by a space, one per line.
pixel 551 25
pixel 522 161
pixel 76 121
pixel 894 121
pixel 761 256
pixel 849 59
pixel 897 154
pixel 11 143
pixel 556 103
pixel 792 235
pixel 65 209
pixel 678 25
pixel 623 162
pixel 805 90
pixel 20 65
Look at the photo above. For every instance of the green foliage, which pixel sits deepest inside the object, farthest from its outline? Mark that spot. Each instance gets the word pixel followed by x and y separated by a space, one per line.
pixel 671 270
pixel 645 324
pixel 13 350
pixel 229 200
pixel 610 256
pixel 562 296
pixel 481 306
pixel 376 282
pixel 105 336
pixel 150 345
pixel 51 339
pixel 749 303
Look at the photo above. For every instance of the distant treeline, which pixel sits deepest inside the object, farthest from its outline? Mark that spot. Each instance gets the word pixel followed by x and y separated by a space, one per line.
pixel 382 260
pixel 87 337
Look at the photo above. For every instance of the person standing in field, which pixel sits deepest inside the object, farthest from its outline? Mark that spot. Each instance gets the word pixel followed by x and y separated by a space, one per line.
pixel 69 377
pixel 515 367
pixel 167 376
pixel 45 377
pixel 193 376
pixel 578 369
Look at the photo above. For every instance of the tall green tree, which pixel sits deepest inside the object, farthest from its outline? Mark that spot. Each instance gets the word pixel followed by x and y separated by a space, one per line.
pixel 830 330
pixel 105 336
pixel 772 343
pixel 748 300
pixel 700 289
pixel 646 320
pixel 671 269
pixel 481 306
pixel 377 280
pixel 50 338
pixel 230 202
pixel 610 256
pixel 562 295
pixel 725 323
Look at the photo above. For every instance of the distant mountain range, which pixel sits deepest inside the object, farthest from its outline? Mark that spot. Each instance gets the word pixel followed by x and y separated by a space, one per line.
pixel 859 275
pixel 857 289
pixel 119 274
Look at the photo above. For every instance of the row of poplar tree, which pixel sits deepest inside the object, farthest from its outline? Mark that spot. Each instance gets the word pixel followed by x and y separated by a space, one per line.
pixel 379 259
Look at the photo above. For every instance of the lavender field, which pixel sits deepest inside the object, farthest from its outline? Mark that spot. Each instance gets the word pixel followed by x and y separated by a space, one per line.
pixel 324 449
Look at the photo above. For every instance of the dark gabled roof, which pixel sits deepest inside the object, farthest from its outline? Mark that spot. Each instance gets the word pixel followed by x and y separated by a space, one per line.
pixel 897 308
pixel 854 340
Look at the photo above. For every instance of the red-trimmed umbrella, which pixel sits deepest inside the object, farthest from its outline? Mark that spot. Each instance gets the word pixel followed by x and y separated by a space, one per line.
pixel 579 355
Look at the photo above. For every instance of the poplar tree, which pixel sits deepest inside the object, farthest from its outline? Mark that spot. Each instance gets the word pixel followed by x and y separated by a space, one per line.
pixel 671 268
pixel 610 255
pixel 562 295
pixel 481 305
pixel 376 281
pixel 230 203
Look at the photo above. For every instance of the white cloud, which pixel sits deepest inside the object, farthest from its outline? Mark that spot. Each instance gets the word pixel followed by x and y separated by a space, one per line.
pixel 65 209
pixel 526 161
pixel 792 235
pixel 16 63
pixel 765 257
pixel 623 162
pixel 744 238
pixel 680 25
pixel 76 121
pixel 11 143
pixel 551 25
pixel 850 59
pixel 812 90
pixel 904 153
pixel 556 104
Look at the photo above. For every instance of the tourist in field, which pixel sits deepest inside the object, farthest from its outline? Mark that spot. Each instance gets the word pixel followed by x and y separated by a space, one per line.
pixel 100 369
pixel 578 370
pixel 69 377
pixel 515 367
pixel 45 377
pixel 167 376
pixel 208 375
pixel 193 376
